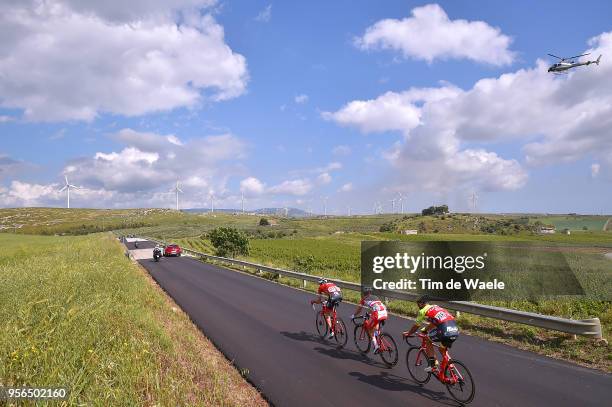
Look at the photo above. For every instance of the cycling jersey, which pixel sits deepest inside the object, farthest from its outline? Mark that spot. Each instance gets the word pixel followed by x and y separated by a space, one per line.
pixel 446 330
pixel 378 311
pixel 434 314
pixel 333 293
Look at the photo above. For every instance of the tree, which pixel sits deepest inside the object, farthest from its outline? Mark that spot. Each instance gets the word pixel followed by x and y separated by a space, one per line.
pixel 229 242
pixel 435 210
pixel 264 222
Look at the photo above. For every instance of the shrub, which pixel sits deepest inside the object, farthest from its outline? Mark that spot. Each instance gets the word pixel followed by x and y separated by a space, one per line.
pixel 264 222
pixel 229 241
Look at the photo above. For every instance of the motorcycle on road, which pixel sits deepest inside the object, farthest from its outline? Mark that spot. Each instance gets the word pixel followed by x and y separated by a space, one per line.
pixel 157 254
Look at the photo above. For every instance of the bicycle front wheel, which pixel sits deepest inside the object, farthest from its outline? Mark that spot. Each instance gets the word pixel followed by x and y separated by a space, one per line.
pixel 362 339
pixel 321 324
pixel 340 333
pixel 388 349
pixel 416 361
pixel 459 382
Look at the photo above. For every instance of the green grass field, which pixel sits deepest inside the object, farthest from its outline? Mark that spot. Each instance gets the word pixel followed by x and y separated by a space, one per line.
pixel 574 222
pixel 330 247
pixel 75 312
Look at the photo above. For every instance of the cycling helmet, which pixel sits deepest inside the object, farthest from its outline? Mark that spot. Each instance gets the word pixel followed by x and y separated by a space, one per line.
pixel 366 290
pixel 423 299
pixel 322 281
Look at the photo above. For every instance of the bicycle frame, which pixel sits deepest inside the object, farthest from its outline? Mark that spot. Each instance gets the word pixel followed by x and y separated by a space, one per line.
pixel 446 360
pixel 382 345
pixel 333 315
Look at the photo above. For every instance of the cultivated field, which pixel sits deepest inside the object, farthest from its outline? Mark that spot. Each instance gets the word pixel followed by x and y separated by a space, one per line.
pixel 331 247
pixel 75 312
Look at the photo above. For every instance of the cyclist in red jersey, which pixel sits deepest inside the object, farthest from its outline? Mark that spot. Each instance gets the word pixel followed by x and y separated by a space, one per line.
pixel 330 296
pixel 441 327
pixel 377 311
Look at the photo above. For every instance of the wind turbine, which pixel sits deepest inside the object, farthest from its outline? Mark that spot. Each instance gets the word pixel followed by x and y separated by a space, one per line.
pixel 392 205
pixel 67 187
pixel 474 200
pixel 212 202
pixel 325 198
pixel 242 201
pixel 349 210
pixel 401 202
pixel 176 191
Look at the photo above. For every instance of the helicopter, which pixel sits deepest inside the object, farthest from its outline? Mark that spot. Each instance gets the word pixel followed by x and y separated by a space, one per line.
pixel 566 64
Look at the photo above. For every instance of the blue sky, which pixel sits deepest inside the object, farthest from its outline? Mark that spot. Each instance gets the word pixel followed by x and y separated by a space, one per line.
pixel 287 103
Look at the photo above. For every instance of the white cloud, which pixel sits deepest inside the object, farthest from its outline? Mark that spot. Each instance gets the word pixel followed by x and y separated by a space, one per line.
pixel 296 187
pixel 429 34
pixel 5 119
pixel 10 166
pixel 150 161
pixel 265 15
pixel 87 60
pixel 595 170
pixel 26 194
pixel 390 111
pixel 341 150
pixel 555 118
pixel 251 186
pixel 348 187
pixel 120 11
pixel 324 178
pixel 332 166
pixel 301 99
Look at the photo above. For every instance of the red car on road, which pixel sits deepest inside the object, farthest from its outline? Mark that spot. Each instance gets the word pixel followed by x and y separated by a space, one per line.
pixel 172 250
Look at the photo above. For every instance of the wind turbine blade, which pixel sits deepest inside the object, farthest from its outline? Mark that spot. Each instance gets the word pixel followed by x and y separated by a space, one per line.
pixel 180 190
pixel 62 190
pixel 73 186
pixel 66 178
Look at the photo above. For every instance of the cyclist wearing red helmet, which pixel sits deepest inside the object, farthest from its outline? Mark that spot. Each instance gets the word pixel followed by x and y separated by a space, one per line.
pixel 377 312
pixel 330 296
pixel 441 327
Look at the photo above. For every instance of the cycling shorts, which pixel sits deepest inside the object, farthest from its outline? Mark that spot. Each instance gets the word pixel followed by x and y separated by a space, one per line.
pixel 446 333
pixel 329 305
pixel 375 319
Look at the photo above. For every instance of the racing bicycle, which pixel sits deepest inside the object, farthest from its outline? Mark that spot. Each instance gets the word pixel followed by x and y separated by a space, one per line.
pixel 337 324
pixel 453 373
pixel 387 349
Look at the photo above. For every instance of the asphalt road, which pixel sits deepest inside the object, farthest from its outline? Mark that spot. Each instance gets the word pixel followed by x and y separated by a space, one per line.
pixel 269 329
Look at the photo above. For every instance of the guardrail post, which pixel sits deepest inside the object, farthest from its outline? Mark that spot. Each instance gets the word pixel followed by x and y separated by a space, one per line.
pixel 303 283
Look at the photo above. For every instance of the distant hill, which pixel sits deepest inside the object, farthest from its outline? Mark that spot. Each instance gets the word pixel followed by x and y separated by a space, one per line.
pixel 291 212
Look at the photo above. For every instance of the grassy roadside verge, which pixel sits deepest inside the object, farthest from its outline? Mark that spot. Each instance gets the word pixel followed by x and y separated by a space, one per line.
pixel 336 257
pixel 75 312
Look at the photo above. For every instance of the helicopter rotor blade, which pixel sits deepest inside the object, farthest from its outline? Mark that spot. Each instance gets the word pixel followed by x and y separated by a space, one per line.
pixel 578 56
pixel 557 57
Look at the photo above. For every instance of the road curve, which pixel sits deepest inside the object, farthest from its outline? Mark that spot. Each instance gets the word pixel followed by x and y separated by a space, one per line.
pixel 269 329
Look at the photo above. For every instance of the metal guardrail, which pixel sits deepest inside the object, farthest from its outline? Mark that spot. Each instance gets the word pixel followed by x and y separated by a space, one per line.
pixel 586 327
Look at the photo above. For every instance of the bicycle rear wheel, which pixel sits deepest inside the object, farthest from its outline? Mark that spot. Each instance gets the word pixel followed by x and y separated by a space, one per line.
pixel 416 361
pixel 340 333
pixel 321 324
pixel 462 388
pixel 362 339
pixel 388 349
